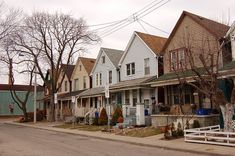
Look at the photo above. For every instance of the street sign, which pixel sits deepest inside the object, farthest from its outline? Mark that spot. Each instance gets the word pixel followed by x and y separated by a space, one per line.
pixel 106 91
pixel 55 98
pixel 73 99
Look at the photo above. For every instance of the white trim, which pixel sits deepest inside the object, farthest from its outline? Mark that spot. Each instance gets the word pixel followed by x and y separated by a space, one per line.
pixel 129 45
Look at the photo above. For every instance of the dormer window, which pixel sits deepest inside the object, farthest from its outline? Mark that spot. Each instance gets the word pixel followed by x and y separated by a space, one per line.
pixel 103 59
pixel 177 59
pixel 80 67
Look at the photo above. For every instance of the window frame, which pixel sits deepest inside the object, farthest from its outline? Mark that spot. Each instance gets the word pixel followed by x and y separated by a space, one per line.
pixel 103 59
pixel 110 77
pixel 146 66
pixel 178 63
pixel 130 69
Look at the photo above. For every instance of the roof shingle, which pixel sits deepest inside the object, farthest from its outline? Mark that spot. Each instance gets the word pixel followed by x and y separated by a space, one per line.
pixel 155 43
pixel 88 63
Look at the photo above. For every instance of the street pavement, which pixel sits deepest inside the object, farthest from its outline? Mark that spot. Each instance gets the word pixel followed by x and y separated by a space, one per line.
pixel 155 143
pixel 26 141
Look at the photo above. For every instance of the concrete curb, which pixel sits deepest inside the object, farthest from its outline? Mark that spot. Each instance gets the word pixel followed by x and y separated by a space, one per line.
pixel 60 130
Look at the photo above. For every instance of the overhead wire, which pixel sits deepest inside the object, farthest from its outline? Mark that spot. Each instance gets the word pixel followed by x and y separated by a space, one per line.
pixel 135 18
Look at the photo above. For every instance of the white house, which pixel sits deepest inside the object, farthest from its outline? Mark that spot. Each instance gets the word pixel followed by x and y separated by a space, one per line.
pixel 139 63
pixel 104 72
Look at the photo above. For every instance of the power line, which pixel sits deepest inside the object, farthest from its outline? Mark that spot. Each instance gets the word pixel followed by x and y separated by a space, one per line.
pixel 135 18
pixel 154 27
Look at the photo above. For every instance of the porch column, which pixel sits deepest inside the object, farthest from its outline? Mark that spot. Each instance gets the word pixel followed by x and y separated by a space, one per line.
pixel 156 95
pixel 101 101
pixel 131 98
pixel 81 102
pixel 76 103
pixel 138 96
pixel 61 110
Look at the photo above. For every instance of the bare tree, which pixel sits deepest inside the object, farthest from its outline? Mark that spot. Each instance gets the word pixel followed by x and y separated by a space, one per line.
pixel 50 40
pixel 203 59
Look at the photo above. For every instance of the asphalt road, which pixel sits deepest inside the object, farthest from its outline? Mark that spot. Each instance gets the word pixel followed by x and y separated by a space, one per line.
pixel 24 141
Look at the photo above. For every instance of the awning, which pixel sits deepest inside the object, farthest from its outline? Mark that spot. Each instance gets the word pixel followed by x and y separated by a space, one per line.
pixel 98 91
pixel 172 78
pixel 131 84
pixel 68 96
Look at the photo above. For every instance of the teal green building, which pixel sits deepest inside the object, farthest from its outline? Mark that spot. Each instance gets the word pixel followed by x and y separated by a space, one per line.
pixel 8 107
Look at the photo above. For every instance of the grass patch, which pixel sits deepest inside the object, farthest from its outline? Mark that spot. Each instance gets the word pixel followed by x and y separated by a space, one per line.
pixel 142 132
pixel 92 128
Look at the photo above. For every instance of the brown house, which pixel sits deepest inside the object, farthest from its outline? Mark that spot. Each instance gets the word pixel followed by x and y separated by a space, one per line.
pixel 192 35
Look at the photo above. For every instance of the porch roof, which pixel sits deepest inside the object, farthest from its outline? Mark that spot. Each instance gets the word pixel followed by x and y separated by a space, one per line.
pixel 92 92
pixel 69 94
pixel 228 70
pixel 228 66
pixel 140 82
pixel 172 78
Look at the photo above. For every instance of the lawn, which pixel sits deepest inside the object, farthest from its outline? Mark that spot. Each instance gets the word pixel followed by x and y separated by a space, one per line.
pixel 141 132
pixel 83 127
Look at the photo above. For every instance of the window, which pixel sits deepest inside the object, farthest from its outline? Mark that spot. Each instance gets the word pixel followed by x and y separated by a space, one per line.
pixel 97 79
pixel 103 59
pixel 130 69
pixel 134 93
pixel 177 59
pixel 65 86
pixel 76 83
pixel 100 78
pixel 84 82
pixel 146 66
pixel 110 76
pixel 127 96
pixel 80 67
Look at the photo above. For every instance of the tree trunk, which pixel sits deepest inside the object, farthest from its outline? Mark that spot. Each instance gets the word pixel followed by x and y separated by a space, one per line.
pixel 51 114
pixel 25 113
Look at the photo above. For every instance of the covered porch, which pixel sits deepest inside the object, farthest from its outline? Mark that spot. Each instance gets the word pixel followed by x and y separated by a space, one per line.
pixel 182 102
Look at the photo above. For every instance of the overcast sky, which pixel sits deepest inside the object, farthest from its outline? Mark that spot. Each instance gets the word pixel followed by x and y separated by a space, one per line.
pixel 103 11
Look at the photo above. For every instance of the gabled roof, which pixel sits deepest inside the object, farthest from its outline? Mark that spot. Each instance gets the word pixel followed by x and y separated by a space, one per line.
pixel 68 69
pixel 216 29
pixel 114 55
pixel 88 63
pixel 155 43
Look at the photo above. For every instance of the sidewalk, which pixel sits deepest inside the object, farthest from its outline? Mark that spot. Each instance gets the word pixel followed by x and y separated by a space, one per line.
pixel 153 141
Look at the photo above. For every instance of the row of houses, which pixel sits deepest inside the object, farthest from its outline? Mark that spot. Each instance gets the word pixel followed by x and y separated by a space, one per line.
pixel 145 72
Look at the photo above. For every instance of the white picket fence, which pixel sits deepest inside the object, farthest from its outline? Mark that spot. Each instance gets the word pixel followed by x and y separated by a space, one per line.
pixel 210 135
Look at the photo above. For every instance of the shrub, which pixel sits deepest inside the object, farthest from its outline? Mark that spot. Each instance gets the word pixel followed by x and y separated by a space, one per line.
pixel 39 116
pixel 120 120
pixel 95 121
pixel 180 131
pixel 103 118
pixel 117 113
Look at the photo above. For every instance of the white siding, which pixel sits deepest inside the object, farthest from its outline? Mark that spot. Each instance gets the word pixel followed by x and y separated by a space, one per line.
pixel 136 53
pixel 104 69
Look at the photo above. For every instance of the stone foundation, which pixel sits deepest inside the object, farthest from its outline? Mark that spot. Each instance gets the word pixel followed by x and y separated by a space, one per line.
pixel 204 120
